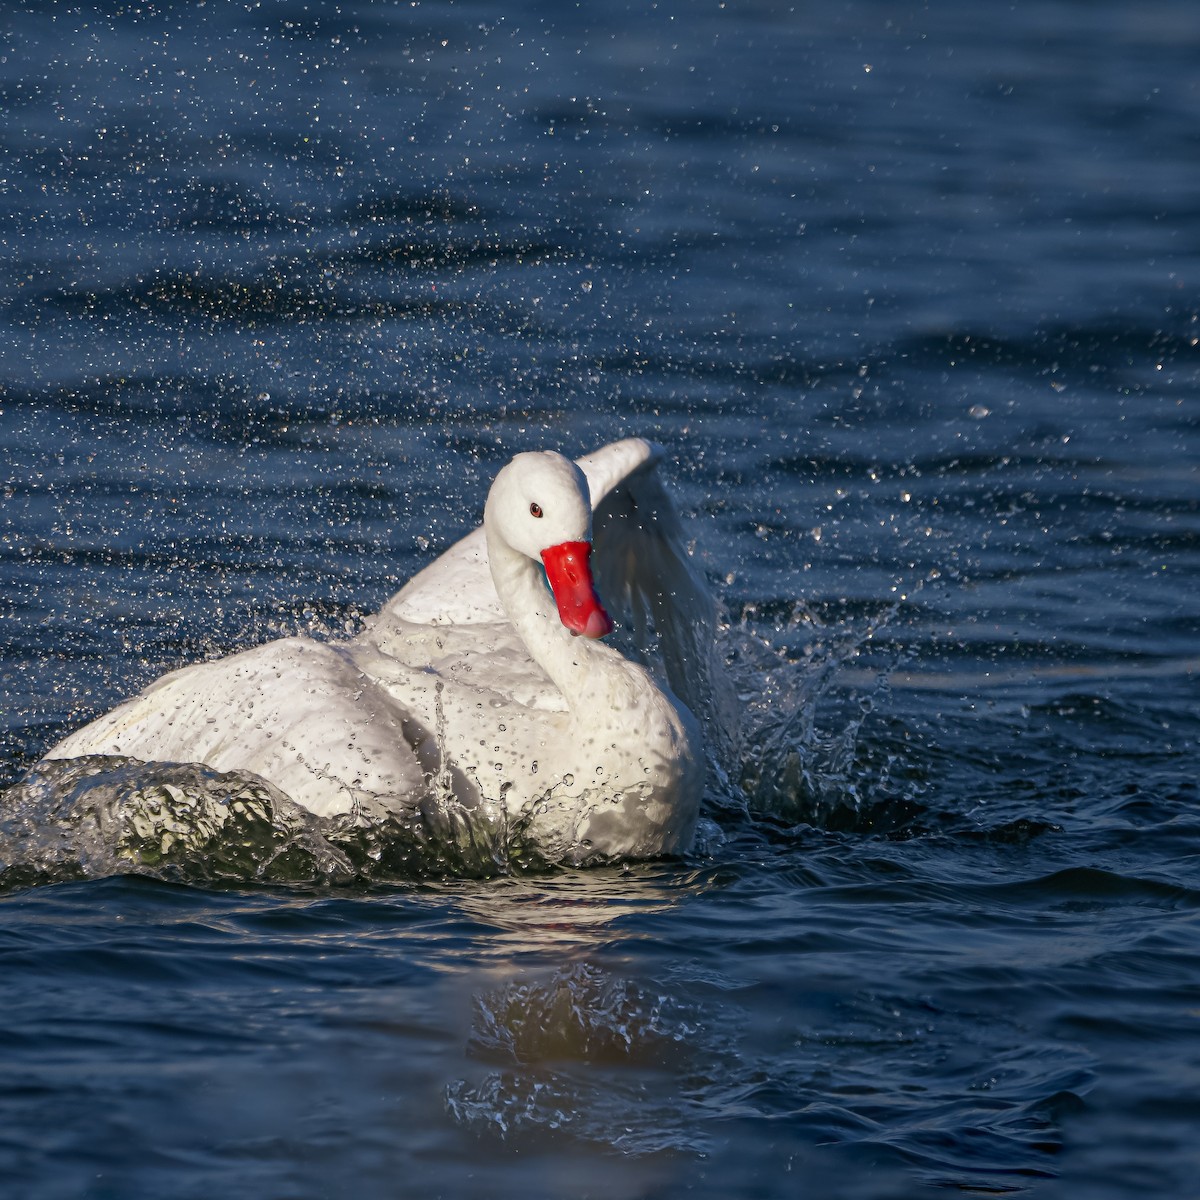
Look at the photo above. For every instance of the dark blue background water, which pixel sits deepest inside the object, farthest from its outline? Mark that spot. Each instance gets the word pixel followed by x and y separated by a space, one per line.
pixel 910 294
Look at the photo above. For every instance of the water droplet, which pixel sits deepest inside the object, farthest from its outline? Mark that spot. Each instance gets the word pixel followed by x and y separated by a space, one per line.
pixel 568 779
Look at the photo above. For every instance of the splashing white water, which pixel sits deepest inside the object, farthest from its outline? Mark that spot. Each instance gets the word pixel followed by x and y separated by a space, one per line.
pixel 801 727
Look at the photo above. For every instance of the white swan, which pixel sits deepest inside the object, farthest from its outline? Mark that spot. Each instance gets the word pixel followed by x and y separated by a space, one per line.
pixel 467 691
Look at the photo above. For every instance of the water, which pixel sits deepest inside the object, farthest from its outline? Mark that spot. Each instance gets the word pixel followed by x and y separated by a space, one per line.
pixel 909 295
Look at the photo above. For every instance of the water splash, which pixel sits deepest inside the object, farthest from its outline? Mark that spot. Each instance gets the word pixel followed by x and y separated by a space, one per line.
pixel 797 754
pixel 790 746
pixel 96 816
pixel 801 752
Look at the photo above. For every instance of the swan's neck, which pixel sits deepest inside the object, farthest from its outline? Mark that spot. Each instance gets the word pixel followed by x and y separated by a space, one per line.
pixel 573 663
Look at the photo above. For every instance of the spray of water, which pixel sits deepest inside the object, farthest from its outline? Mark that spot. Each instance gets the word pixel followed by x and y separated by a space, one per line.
pixel 785 741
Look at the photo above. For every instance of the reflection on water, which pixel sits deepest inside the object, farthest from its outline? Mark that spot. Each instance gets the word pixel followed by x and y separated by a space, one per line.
pixel 579 1055
pixel 568 913
pixel 596 1055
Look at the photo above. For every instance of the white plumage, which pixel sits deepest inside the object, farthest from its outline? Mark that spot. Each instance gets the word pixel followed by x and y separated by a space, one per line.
pixel 468 690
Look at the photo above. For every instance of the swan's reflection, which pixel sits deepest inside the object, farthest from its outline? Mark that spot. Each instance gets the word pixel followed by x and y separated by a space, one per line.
pixel 571 1040
pixel 568 913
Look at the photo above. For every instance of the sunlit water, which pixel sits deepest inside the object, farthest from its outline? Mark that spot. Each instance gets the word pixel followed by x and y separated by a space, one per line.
pixel 909 295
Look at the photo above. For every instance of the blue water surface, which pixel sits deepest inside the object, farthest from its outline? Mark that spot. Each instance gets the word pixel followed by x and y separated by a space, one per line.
pixel 909 293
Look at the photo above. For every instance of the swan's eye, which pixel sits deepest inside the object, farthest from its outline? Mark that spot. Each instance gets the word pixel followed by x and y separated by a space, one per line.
pixel 535 509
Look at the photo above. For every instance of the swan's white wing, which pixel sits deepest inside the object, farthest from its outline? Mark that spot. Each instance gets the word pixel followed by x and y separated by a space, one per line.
pixel 296 712
pixel 457 589
pixel 614 464
pixel 656 593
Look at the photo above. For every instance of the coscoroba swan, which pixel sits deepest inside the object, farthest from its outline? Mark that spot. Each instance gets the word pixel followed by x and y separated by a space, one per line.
pixel 479 689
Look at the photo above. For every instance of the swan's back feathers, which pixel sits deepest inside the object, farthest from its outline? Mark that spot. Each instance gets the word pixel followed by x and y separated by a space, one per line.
pixel 455 589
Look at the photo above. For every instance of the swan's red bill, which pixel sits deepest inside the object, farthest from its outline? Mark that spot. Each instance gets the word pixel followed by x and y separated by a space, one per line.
pixel 570 578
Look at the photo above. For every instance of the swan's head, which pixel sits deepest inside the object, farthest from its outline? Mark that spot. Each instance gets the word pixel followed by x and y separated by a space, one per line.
pixel 539 506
